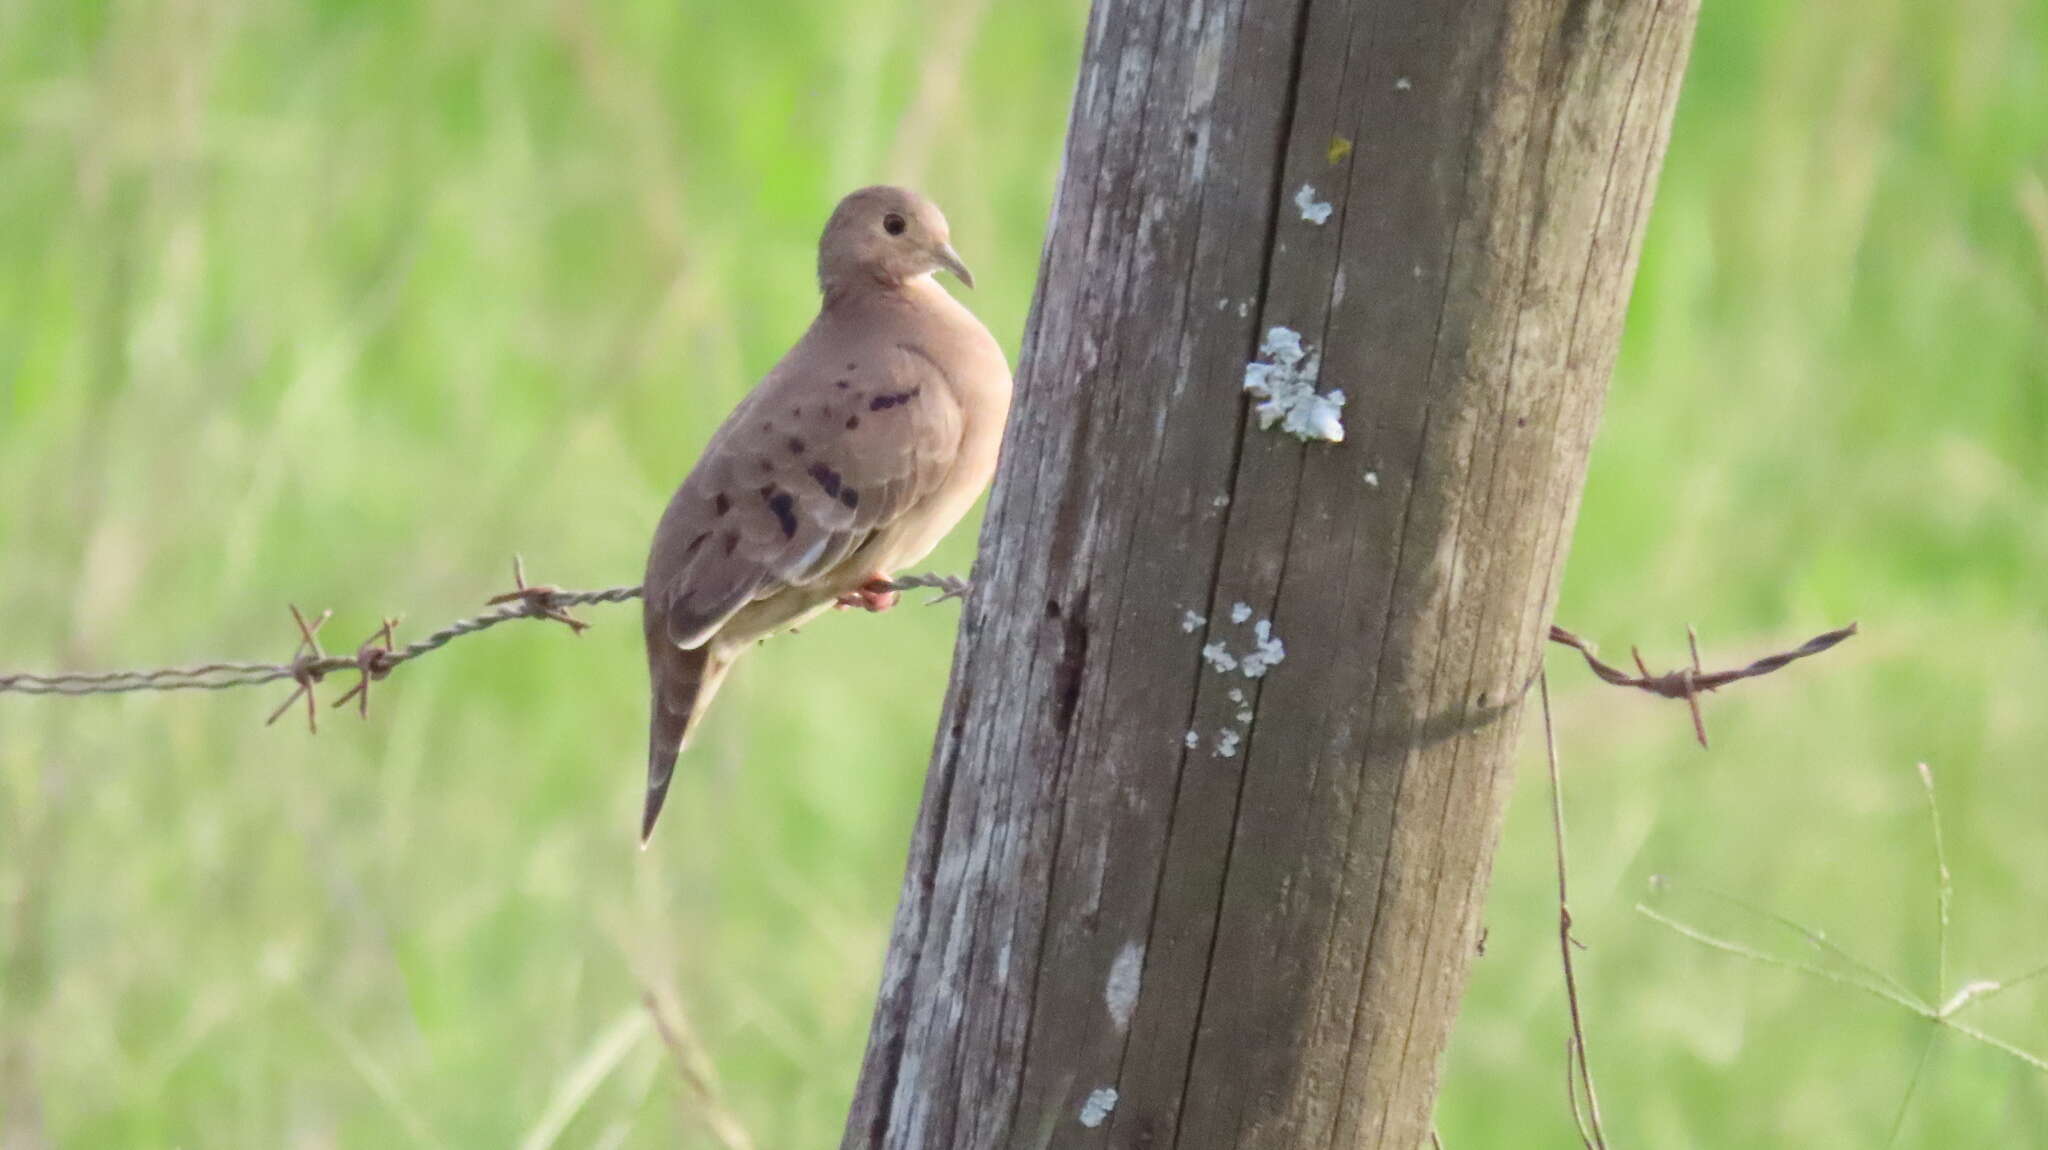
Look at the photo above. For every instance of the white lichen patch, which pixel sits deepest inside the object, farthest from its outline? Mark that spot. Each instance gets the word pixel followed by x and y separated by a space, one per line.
pixel 1226 743
pixel 1372 479
pixel 1191 621
pixel 1269 652
pixel 1244 308
pixel 1097 1109
pixel 1313 210
pixel 1239 612
pixel 1284 377
pixel 1192 739
pixel 1237 694
pixel 1120 993
pixel 1284 345
pixel 1266 653
pixel 1245 716
pixel 1403 84
pixel 1216 656
pixel 1220 501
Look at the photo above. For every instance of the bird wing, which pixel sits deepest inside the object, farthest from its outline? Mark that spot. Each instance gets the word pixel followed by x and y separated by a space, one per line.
pixel 827 453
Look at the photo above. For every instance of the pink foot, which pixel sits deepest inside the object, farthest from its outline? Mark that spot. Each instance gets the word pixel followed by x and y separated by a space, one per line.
pixel 874 595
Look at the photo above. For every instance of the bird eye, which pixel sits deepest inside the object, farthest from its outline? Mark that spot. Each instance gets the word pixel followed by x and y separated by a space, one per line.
pixel 893 224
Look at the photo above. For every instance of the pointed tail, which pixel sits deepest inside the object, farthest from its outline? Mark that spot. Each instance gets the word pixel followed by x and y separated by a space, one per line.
pixel 684 682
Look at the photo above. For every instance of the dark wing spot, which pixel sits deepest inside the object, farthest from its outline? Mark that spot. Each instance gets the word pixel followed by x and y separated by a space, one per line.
pixel 885 402
pixel 783 504
pixel 852 421
pixel 763 464
pixel 850 497
pixel 721 503
pixel 732 540
pixel 796 411
pixel 840 384
pixel 852 366
pixel 826 477
pixel 796 445
pixel 691 548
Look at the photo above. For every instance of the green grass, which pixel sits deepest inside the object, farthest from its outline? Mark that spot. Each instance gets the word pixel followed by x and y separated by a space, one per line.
pixel 339 304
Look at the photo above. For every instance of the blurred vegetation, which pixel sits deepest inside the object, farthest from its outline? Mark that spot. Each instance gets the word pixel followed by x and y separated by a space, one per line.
pixel 340 303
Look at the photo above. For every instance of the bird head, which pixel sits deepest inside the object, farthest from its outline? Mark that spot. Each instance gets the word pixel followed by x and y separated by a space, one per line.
pixel 886 235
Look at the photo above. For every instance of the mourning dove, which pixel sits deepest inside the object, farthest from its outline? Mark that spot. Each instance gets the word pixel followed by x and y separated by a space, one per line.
pixel 851 459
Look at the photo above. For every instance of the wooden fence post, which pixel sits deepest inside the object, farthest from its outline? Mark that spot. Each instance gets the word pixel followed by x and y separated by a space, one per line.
pixel 1218 782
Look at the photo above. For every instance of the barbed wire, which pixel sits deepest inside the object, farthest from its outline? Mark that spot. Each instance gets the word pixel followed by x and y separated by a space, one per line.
pixel 1689 682
pixel 379 655
pixel 376 657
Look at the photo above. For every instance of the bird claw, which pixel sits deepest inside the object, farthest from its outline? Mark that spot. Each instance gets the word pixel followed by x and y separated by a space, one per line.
pixel 877 594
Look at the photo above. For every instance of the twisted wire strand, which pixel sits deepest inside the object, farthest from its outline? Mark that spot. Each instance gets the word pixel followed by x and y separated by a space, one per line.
pixel 532 603
pixel 374 659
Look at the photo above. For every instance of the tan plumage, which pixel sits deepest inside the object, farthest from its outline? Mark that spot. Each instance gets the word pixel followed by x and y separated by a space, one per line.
pixel 851 459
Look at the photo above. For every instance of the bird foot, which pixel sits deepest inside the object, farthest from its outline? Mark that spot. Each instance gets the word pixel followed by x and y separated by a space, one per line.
pixel 877 594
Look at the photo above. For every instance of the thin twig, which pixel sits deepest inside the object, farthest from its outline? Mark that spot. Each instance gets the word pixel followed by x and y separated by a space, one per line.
pixel 694 1068
pixel 1818 939
pixel 1944 889
pixel 1590 1130
pixel 1768 959
pixel 1868 979
pixel 374 1075
pixel 607 1052
pixel 1912 1085
pixel 1571 1091
pixel 1995 1043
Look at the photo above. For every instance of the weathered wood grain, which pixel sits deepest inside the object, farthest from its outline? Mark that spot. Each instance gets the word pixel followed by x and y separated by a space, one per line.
pixel 1265 948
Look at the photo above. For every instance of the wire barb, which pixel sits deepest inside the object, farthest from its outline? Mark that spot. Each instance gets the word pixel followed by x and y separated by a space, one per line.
pixel 1689 683
pixel 373 661
pixel 542 601
pixel 306 667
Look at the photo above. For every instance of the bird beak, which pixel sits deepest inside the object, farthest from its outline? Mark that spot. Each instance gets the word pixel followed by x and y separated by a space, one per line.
pixel 951 261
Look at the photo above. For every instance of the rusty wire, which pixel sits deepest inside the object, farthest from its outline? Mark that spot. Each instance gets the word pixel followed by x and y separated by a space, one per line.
pixel 375 658
pixel 1689 682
